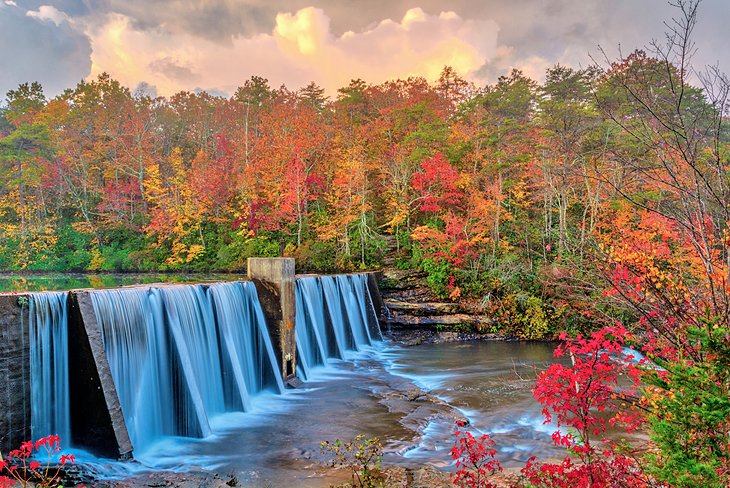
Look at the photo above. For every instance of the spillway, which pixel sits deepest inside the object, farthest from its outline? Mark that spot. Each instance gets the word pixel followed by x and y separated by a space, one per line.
pixel 180 355
pixel 48 331
pixel 120 370
pixel 335 316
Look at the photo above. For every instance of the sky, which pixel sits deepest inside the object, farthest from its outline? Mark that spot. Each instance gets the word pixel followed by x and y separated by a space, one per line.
pixel 165 46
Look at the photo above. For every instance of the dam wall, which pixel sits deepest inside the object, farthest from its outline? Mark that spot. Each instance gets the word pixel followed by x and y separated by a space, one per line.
pixel 115 370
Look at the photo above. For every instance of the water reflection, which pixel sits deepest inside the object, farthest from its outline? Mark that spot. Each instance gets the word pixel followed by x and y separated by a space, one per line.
pixel 20 283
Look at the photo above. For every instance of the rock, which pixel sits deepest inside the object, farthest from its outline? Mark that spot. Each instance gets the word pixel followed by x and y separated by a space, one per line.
pixel 421 308
pixel 433 320
pixel 409 303
pixel 398 279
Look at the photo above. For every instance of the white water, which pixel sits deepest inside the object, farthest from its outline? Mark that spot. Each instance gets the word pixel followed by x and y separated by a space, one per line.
pixel 335 317
pixel 249 360
pixel 180 356
pixel 49 365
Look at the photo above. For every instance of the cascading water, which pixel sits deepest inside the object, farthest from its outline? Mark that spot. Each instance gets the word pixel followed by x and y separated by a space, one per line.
pixel 311 335
pixel 367 308
pixel 334 310
pixel 49 365
pixel 249 360
pixel 334 314
pixel 183 354
pixel 352 310
pixel 180 355
pixel 137 348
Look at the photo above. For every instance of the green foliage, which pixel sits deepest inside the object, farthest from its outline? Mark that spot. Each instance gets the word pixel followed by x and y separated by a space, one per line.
pixel 320 256
pixel 690 418
pixel 526 316
pixel 232 256
pixel 361 455
pixel 459 328
pixel 438 274
pixel 369 246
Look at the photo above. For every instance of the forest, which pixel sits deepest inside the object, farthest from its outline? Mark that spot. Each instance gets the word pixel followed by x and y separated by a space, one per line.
pixel 596 202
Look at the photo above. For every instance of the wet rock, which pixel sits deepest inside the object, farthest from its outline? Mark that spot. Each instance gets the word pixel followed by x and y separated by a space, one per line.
pixel 415 337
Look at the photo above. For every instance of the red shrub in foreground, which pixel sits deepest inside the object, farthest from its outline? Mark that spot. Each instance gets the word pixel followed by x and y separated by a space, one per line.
pixel 475 461
pixel 587 399
pixel 25 470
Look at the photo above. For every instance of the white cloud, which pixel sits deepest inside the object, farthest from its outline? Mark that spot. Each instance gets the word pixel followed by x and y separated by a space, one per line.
pixel 301 48
pixel 48 13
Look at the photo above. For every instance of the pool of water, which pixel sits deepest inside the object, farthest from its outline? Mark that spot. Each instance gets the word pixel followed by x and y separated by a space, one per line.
pixel 20 282
pixel 490 383
pixel 278 444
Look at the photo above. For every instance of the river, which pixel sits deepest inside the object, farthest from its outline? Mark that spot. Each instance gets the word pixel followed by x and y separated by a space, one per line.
pixel 374 393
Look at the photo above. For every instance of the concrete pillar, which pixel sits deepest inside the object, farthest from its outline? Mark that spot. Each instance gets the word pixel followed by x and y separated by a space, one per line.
pixel 14 372
pixel 274 280
pixel 97 423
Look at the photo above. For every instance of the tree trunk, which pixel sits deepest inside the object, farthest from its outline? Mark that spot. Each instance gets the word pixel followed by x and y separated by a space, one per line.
pixel 21 199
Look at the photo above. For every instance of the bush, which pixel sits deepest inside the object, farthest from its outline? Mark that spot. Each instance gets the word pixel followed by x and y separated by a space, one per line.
pixel 361 455
pixel 474 458
pixel 526 316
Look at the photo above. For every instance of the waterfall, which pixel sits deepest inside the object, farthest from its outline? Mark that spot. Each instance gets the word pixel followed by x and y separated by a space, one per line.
pixel 138 350
pixel 48 330
pixel 352 310
pixel 311 336
pixel 180 355
pixel 335 314
pixel 250 362
pixel 364 298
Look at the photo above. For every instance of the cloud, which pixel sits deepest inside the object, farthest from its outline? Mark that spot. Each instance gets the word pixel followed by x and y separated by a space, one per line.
pixel 41 46
pixel 173 70
pixel 48 13
pixel 301 47
pixel 217 44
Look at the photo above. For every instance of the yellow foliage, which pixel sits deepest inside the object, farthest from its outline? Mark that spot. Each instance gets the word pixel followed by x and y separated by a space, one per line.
pixel 97 261
pixel 194 252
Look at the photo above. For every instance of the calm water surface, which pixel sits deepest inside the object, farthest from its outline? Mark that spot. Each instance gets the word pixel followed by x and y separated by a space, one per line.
pixel 18 282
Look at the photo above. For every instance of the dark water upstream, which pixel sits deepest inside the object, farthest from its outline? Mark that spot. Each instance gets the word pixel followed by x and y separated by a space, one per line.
pixel 277 444
pixel 30 282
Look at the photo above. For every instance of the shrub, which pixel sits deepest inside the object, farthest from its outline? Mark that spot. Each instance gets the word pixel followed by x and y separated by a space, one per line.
pixel 361 455
pixel 585 398
pixel 475 461
pixel 22 468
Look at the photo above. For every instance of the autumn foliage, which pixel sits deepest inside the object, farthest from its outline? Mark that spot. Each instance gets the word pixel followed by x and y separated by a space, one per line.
pixel 474 459
pixel 592 206
pixel 38 463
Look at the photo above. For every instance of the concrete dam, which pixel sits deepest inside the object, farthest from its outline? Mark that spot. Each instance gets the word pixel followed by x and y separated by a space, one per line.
pixel 112 371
